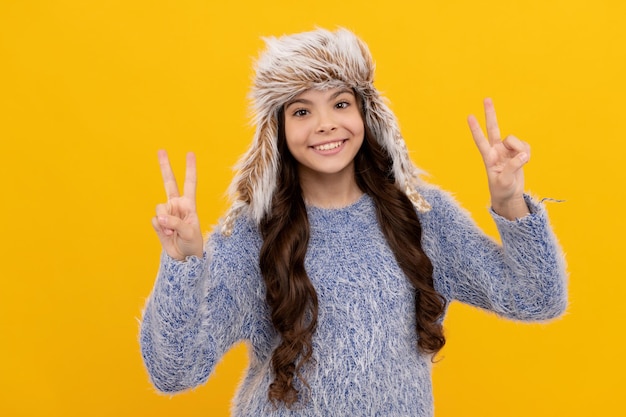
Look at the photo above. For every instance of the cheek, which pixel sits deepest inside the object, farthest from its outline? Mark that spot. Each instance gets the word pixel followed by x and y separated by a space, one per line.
pixel 289 139
pixel 358 128
pixel 292 149
pixel 295 134
pixel 292 140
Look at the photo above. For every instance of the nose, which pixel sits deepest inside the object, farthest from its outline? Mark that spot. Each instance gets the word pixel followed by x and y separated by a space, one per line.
pixel 326 123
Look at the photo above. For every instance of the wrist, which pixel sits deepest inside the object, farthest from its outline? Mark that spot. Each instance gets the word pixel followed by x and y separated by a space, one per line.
pixel 511 209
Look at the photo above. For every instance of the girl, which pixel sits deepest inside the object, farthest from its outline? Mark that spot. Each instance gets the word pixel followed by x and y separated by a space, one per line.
pixel 335 262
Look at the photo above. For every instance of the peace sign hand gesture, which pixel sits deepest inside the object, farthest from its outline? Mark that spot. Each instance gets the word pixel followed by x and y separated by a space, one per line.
pixel 176 222
pixel 504 161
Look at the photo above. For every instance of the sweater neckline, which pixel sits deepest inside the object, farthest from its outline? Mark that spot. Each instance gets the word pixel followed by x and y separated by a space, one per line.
pixel 358 203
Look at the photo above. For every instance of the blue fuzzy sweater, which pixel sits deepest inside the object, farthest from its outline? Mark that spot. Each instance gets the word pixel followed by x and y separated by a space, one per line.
pixel 365 357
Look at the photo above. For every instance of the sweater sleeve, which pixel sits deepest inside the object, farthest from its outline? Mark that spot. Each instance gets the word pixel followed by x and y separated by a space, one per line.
pixel 190 320
pixel 524 278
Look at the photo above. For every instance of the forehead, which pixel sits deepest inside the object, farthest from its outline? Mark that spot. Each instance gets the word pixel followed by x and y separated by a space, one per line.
pixel 312 94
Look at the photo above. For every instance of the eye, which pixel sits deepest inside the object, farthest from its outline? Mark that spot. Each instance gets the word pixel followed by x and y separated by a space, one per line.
pixel 300 112
pixel 342 105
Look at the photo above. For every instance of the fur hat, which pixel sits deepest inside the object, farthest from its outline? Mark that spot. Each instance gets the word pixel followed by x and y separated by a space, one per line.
pixel 290 65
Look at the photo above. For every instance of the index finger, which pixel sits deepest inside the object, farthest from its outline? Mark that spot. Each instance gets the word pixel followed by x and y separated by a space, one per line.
pixel 169 181
pixel 190 177
pixel 477 133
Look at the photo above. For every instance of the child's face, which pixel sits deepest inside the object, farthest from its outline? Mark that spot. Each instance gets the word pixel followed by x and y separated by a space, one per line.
pixel 324 130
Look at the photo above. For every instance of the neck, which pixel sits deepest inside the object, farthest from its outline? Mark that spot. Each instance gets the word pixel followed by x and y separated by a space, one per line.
pixel 329 190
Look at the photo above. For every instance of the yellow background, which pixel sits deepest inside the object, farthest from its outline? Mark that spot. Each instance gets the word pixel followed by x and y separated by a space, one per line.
pixel 90 90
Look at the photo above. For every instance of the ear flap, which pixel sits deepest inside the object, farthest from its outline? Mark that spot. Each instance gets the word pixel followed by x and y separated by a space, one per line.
pixel 384 126
pixel 255 179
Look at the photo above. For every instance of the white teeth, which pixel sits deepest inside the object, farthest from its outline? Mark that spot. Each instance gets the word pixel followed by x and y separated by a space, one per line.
pixel 328 146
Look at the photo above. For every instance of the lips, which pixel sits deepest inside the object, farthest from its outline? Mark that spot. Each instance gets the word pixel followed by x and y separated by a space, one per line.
pixel 328 146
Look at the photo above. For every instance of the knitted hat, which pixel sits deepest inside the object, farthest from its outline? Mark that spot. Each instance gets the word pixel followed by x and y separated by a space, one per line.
pixel 289 66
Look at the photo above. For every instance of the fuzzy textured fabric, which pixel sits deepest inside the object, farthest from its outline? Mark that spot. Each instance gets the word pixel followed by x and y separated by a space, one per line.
pixel 289 66
pixel 366 361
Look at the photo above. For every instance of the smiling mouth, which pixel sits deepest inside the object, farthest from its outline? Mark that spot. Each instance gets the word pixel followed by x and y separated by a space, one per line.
pixel 329 146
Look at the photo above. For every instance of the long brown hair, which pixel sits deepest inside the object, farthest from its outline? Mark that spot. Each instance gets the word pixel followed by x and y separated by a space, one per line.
pixel 289 292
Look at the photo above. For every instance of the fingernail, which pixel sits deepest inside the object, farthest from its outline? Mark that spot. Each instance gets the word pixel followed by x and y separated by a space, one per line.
pixel 162 220
pixel 523 157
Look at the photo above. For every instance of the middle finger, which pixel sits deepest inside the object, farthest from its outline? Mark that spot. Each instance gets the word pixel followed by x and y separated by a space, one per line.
pixel 493 130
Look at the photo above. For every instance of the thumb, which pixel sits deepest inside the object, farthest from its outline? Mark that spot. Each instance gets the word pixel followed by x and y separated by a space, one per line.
pixel 516 163
pixel 184 229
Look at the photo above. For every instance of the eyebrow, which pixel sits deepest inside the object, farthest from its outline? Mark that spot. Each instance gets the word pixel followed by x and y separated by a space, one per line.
pixel 331 98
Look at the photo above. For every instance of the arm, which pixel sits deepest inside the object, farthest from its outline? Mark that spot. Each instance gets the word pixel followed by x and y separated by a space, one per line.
pixel 188 324
pixel 191 318
pixel 525 277
pixel 522 279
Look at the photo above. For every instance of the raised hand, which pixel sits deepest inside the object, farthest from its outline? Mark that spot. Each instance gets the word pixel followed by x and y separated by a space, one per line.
pixel 176 222
pixel 504 161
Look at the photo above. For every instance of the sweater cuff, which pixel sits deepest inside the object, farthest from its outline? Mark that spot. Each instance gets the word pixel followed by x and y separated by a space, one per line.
pixel 534 226
pixel 186 271
pixel 178 290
